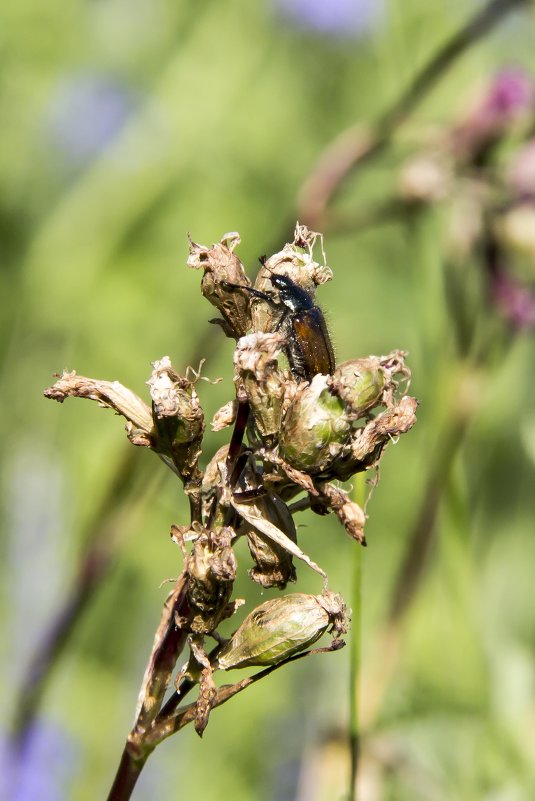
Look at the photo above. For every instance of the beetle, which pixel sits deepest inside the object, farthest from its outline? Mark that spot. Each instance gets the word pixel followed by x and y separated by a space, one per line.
pixel 308 344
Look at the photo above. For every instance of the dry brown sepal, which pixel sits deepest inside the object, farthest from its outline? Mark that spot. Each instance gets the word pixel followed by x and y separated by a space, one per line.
pixel 222 267
pixel 349 513
pixel 396 420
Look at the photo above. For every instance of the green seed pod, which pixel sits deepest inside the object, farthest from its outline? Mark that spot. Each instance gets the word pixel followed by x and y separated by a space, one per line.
pixel 359 383
pixel 315 427
pixel 282 627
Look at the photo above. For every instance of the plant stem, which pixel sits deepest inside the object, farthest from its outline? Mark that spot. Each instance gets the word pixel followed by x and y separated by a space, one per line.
pixel 127 775
pixel 355 652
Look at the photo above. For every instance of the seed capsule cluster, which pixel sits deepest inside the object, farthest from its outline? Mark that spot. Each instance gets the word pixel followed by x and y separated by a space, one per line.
pixel 300 425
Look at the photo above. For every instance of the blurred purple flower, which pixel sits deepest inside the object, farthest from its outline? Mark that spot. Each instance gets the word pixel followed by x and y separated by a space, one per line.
pixel 509 96
pixel 85 115
pixel 515 303
pixel 510 92
pixel 341 18
pixel 40 769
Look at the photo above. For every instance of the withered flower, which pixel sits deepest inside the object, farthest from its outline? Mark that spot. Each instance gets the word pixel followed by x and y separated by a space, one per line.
pixel 211 570
pixel 299 426
pixel 222 267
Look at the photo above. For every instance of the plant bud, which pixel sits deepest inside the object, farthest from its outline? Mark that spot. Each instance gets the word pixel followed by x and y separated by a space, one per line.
pixel 315 427
pixel 221 267
pixel 517 229
pixel 282 627
pixel 508 98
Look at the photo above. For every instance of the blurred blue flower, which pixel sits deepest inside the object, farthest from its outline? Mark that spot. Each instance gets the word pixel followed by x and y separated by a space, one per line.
pixel 41 769
pixel 341 18
pixel 86 114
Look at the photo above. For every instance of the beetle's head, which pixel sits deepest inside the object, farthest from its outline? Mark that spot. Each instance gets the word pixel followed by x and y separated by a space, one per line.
pixel 291 294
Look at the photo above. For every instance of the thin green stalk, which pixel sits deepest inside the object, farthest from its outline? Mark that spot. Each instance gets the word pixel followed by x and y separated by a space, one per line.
pixel 355 652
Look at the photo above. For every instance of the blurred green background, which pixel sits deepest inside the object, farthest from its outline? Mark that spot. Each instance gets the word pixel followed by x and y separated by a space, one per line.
pixel 126 125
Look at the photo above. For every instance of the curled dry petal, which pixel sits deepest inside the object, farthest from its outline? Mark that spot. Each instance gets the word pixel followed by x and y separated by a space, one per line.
pixel 399 419
pixel 110 395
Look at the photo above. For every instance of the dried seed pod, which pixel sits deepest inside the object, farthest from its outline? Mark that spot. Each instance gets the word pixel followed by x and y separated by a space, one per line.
pixel 178 418
pixel 257 371
pixel 282 627
pixel 176 407
pixel 211 570
pixel 315 427
pixel 273 564
pixel 222 267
